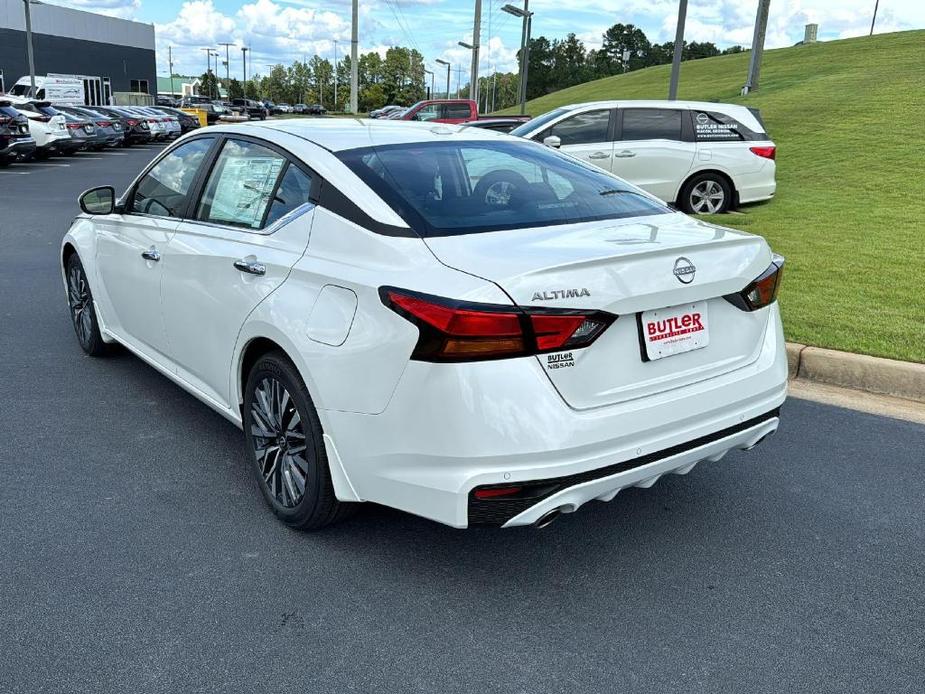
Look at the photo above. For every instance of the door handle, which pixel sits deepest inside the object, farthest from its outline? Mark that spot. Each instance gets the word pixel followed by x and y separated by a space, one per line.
pixel 599 155
pixel 625 154
pixel 151 254
pixel 251 267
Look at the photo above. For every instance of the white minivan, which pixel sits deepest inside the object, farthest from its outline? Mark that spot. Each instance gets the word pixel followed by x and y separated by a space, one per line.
pixel 702 157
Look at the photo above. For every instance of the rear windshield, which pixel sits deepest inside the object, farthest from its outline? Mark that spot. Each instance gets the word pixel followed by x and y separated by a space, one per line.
pixel 9 112
pixel 450 188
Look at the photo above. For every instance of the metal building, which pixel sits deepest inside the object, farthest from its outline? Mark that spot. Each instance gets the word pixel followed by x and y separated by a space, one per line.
pixel 109 54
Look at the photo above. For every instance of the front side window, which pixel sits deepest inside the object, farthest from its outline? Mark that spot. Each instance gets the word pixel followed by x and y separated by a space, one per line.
pixel 451 188
pixel 428 112
pixel 241 185
pixel 651 124
pixel 164 189
pixel 582 128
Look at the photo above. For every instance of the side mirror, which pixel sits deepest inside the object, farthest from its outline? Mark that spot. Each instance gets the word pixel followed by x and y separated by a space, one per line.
pixel 100 200
pixel 552 141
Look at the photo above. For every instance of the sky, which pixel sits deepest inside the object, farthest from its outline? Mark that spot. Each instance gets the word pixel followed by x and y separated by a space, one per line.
pixel 288 30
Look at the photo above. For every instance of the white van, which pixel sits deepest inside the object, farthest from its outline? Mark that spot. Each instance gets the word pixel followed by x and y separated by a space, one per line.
pixel 65 90
pixel 702 157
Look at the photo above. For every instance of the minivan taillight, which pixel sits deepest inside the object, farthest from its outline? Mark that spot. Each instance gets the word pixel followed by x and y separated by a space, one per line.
pixel 763 289
pixel 765 152
pixel 454 331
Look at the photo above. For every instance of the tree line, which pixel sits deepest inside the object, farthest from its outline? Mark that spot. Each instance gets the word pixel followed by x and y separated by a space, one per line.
pixel 400 78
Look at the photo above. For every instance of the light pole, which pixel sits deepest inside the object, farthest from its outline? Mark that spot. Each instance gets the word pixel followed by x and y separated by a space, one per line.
pixel 527 17
pixel 227 60
pixel 443 62
pixel 208 66
pixel 335 74
pixel 354 67
pixel 170 66
pixel 678 51
pixel 218 93
pixel 29 48
pixel 244 50
pixel 430 94
pixel 472 89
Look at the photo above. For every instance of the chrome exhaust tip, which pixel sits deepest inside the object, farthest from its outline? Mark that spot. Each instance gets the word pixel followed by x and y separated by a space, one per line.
pixel 547 518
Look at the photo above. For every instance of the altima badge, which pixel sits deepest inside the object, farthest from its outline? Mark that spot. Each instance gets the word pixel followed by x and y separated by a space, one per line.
pixel 561 294
pixel 684 270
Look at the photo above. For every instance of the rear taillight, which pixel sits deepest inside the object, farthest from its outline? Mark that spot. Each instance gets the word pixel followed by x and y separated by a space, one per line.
pixel 5 121
pixel 132 122
pixel 104 123
pixel 763 290
pixel 74 126
pixel 766 152
pixel 452 331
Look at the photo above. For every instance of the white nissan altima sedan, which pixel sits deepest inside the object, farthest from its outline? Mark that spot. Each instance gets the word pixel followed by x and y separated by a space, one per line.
pixel 464 325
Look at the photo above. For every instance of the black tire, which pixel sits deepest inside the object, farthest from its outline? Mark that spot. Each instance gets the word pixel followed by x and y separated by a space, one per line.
pixel 706 193
pixel 276 456
pixel 82 309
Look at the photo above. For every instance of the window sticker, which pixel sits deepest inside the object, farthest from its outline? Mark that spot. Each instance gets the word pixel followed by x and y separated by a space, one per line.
pixel 708 126
pixel 243 190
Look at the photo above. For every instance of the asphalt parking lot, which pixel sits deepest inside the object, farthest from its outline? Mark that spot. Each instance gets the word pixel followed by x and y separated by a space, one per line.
pixel 136 553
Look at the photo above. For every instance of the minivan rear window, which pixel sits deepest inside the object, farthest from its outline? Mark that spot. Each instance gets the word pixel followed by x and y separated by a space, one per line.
pixel 452 188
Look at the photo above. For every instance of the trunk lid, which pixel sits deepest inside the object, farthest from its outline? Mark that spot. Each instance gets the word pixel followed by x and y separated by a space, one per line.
pixel 626 267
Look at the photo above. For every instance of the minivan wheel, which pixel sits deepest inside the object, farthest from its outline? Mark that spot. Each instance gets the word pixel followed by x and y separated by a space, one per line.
pixel 284 439
pixel 83 311
pixel 706 193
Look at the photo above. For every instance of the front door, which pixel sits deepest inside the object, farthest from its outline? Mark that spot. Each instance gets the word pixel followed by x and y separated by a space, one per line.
pixel 130 247
pixel 653 151
pixel 249 228
pixel 586 135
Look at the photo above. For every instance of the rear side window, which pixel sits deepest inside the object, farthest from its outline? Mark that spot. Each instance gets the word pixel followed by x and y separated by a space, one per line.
pixel 710 126
pixel 582 128
pixel 164 189
pixel 457 111
pixel 651 124
pixel 293 192
pixel 241 185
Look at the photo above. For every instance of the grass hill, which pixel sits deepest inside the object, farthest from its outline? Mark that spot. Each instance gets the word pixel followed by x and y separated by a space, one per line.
pixel 848 118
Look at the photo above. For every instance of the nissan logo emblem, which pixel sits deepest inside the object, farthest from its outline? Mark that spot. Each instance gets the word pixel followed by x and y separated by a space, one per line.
pixel 684 270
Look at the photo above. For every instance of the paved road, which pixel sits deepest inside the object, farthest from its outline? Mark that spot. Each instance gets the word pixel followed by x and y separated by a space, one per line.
pixel 136 553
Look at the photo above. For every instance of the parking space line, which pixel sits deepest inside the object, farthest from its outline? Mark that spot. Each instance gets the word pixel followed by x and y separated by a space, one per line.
pixel 115 154
pixel 36 163
pixel 15 173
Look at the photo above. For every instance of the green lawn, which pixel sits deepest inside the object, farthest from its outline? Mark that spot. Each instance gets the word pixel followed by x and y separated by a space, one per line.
pixel 848 118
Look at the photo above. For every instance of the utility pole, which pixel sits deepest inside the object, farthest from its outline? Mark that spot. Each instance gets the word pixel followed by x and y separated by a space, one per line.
pixel 458 75
pixel 170 65
pixel 335 74
pixel 244 50
pixel 208 65
pixel 874 19
pixel 430 92
pixel 678 51
pixel 476 30
pixel 29 49
pixel 754 64
pixel 354 68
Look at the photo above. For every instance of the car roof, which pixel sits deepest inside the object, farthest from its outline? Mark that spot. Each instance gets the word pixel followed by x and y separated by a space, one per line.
pixel 337 134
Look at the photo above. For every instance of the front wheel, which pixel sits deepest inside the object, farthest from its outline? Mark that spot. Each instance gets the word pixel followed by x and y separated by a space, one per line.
pixel 83 311
pixel 706 193
pixel 284 439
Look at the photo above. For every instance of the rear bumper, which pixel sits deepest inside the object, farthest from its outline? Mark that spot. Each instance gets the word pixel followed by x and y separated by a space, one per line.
pixel 755 187
pixel 17 149
pixel 450 428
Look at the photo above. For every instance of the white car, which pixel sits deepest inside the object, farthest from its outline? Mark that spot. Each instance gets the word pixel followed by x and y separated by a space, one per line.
pixel 156 123
pixel 46 125
pixel 460 324
pixel 703 157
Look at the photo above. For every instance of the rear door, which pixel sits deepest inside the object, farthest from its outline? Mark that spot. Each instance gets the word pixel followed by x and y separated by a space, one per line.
pixel 654 149
pixel 587 135
pixel 248 228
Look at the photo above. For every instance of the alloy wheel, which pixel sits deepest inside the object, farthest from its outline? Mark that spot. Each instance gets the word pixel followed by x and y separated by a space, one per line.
pixel 707 197
pixel 279 442
pixel 81 303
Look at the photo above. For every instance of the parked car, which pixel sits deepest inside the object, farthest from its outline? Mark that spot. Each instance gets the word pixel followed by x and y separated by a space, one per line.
pixel 213 112
pixel 185 120
pixel 46 125
pixel 251 108
pixel 498 125
pixel 284 108
pixel 701 156
pixel 300 108
pixel 446 111
pixel 156 126
pixel 16 143
pixel 165 101
pixel 170 122
pixel 108 131
pixel 476 329
pixel 83 132
pixel 385 110
pixel 135 126
pixel 316 110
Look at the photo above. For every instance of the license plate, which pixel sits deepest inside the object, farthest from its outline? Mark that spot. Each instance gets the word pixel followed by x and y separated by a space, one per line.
pixel 88 128
pixel 674 330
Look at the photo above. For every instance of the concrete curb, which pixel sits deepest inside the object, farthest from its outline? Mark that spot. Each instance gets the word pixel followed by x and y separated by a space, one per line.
pixel 901 379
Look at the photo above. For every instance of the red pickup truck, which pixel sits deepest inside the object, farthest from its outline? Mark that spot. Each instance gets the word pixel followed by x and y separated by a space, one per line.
pixel 446 111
